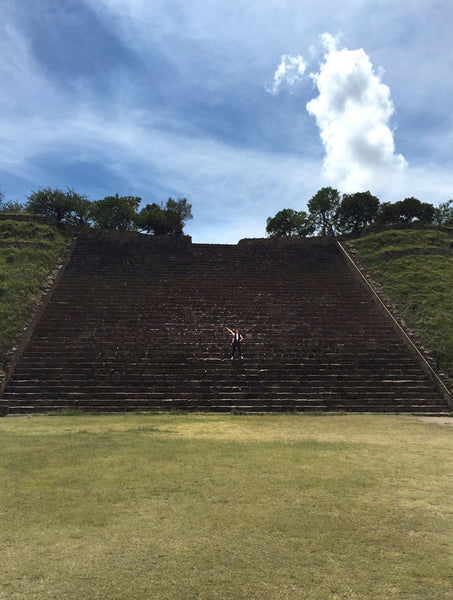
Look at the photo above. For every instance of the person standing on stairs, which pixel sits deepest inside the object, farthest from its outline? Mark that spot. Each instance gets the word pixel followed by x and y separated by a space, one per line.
pixel 235 342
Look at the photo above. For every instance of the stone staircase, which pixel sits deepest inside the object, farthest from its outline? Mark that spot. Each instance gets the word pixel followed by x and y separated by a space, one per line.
pixel 137 323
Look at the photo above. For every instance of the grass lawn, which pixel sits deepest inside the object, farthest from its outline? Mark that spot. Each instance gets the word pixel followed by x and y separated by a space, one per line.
pixel 131 506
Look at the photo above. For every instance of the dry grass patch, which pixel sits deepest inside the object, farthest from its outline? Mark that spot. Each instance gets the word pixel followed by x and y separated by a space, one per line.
pixel 230 507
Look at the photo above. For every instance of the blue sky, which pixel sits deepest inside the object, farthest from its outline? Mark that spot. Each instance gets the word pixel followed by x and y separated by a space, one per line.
pixel 243 107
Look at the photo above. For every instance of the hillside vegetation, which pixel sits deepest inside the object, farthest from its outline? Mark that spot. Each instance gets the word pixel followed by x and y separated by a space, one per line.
pixel 415 269
pixel 28 253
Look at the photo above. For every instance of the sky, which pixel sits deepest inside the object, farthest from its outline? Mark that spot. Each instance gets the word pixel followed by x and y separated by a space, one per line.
pixel 244 107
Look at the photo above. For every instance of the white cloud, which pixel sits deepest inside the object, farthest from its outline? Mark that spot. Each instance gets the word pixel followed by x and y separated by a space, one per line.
pixel 352 111
pixel 329 41
pixel 290 71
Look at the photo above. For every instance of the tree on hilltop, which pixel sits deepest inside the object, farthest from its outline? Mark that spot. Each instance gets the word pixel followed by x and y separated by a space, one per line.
pixel 356 211
pixel 443 214
pixel 290 223
pixel 178 212
pixel 404 212
pixel 165 220
pixel 63 206
pixel 10 206
pixel 152 219
pixel 115 212
pixel 412 209
pixel 323 208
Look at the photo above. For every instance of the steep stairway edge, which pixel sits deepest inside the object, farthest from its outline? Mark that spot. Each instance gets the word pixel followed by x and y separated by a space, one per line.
pixel 412 344
pixel 23 336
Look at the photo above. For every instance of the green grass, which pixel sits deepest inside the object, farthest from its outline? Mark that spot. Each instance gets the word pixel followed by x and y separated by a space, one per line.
pixel 22 271
pixel 420 285
pixel 28 231
pixel 374 247
pixel 225 507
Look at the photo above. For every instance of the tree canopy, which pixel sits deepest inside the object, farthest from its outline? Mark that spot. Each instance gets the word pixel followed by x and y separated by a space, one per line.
pixel 356 211
pixel 165 220
pixel 323 208
pixel 290 223
pixel 178 212
pixel 115 212
pixel 406 211
pixel 443 214
pixel 63 206
pixel 330 214
pixel 110 213
pixel 10 206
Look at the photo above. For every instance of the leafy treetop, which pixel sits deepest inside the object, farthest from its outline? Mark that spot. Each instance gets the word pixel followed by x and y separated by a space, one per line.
pixel 290 223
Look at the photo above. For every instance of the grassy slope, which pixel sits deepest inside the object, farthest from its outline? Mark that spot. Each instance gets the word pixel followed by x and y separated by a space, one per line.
pixel 421 285
pixel 130 507
pixel 22 272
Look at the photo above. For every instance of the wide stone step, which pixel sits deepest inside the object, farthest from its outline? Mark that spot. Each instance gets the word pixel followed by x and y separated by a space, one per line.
pixel 225 405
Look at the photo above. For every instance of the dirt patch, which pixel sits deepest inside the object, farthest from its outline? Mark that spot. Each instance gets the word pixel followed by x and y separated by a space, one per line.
pixel 437 420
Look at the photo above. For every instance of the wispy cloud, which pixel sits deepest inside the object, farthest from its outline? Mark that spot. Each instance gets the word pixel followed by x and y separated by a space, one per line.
pixel 353 111
pixel 289 72
pixel 233 190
